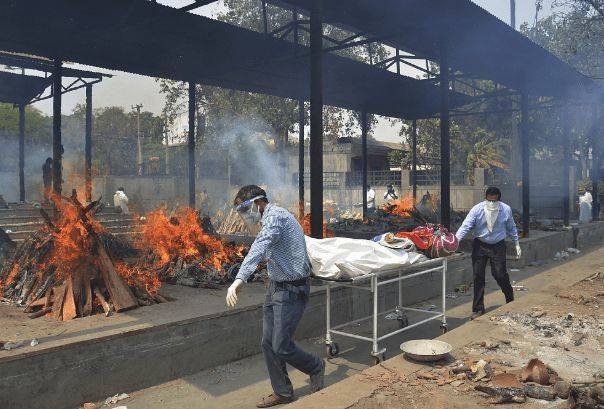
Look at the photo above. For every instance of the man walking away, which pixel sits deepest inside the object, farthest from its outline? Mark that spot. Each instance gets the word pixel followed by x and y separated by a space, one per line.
pixel 492 221
pixel 281 242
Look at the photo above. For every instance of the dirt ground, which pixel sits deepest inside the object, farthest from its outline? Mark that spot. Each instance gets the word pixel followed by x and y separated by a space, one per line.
pixel 558 319
pixel 566 331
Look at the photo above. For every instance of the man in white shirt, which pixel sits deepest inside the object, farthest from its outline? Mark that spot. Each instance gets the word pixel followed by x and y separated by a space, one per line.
pixel 121 200
pixel 492 221
pixel 370 199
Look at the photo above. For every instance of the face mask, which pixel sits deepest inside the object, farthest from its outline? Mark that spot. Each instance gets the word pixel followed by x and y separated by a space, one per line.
pixel 250 213
pixel 492 205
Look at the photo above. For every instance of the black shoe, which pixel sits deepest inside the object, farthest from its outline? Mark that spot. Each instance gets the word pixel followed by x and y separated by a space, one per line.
pixel 476 314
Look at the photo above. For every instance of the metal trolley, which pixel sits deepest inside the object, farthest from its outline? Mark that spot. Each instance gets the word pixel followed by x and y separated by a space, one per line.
pixel 372 282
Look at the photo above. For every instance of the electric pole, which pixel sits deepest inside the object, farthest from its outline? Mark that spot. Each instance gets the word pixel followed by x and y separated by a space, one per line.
pixel 139 156
pixel 513 14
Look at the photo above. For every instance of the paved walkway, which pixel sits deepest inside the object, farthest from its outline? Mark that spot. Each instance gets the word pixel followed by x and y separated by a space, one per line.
pixel 240 384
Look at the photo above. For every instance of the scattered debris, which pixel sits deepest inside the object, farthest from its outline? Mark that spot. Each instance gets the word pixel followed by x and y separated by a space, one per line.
pixel 116 398
pixel 561 255
pixel 539 391
pixel 89 405
pixel 34 342
pixel 506 380
pixel 572 250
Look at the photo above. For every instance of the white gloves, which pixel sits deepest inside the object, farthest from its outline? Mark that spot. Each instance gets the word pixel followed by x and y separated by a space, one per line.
pixel 231 298
pixel 518 251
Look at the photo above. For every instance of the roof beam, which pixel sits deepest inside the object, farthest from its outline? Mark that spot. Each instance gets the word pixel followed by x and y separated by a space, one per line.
pixel 197 4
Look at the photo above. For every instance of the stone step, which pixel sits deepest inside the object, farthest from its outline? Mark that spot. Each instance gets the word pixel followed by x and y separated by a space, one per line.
pixel 37 224
pixel 18 236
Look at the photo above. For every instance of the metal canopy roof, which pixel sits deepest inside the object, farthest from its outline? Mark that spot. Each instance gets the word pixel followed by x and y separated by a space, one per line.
pixel 478 42
pixel 33 62
pixel 151 39
pixel 21 89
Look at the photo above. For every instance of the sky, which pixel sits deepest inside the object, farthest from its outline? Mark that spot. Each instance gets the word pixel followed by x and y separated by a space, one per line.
pixel 127 90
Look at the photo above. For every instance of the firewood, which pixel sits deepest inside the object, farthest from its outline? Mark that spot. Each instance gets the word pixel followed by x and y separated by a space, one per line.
pixel 102 301
pixel 87 308
pixel 69 304
pixel 48 221
pixel 48 297
pixel 539 392
pixel 35 304
pixel 119 292
pixel 40 313
pixel 57 308
pixel 160 299
pixel 503 395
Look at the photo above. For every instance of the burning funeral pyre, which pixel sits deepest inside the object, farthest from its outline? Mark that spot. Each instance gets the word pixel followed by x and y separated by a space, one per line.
pixel 65 269
pixel 73 267
pixel 181 249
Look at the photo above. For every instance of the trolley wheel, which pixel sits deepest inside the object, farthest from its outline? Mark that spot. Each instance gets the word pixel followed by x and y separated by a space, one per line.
pixel 332 350
pixel 444 328
pixel 378 359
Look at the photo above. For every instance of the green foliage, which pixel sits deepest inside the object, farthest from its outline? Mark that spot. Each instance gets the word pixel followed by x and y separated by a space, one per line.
pixel 271 115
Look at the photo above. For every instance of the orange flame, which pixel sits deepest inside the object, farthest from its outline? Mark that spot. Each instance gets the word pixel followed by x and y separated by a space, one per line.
pixel 400 207
pixel 181 236
pixel 305 223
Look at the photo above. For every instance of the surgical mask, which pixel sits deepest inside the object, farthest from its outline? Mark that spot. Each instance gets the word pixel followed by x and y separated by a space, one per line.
pixel 250 213
pixel 492 205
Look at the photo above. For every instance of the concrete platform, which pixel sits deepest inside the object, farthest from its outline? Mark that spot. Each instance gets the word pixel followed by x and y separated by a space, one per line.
pixel 95 357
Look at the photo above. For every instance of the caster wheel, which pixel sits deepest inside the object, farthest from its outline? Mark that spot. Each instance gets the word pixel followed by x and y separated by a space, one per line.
pixel 403 322
pixel 444 328
pixel 332 350
pixel 379 359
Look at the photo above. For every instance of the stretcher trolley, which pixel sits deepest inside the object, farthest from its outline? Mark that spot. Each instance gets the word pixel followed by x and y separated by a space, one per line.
pixel 372 282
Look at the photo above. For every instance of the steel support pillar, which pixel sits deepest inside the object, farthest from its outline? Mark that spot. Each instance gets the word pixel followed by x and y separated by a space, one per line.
pixel 595 164
pixel 566 130
pixel 191 145
pixel 316 119
pixel 414 159
pixel 57 146
pixel 300 128
pixel 22 153
pixel 88 144
pixel 301 158
pixel 524 154
pixel 364 160
pixel 445 140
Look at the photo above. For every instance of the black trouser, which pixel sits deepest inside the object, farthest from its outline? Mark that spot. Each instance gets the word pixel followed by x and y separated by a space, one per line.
pixel 495 253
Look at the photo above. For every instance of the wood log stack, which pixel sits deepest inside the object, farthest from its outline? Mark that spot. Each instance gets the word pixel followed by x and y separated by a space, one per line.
pixel 232 224
pixel 65 269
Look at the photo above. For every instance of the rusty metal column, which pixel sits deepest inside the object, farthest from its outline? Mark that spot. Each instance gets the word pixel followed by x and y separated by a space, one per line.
pixel 364 161
pixel 88 144
pixel 57 146
pixel 445 141
pixel 191 145
pixel 22 153
pixel 316 119
pixel 414 158
pixel 566 130
pixel 524 149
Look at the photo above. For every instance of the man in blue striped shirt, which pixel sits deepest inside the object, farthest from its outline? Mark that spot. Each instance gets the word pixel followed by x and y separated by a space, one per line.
pixel 281 243
pixel 492 220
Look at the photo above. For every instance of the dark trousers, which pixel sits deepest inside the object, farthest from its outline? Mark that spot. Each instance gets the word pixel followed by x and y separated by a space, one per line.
pixel 282 311
pixel 495 254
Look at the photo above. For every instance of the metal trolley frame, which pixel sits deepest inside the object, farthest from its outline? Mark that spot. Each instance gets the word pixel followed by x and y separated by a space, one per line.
pixel 372 282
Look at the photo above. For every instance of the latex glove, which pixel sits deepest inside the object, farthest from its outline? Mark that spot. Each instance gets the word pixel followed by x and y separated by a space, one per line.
pixel 518 251
pixel 231 298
